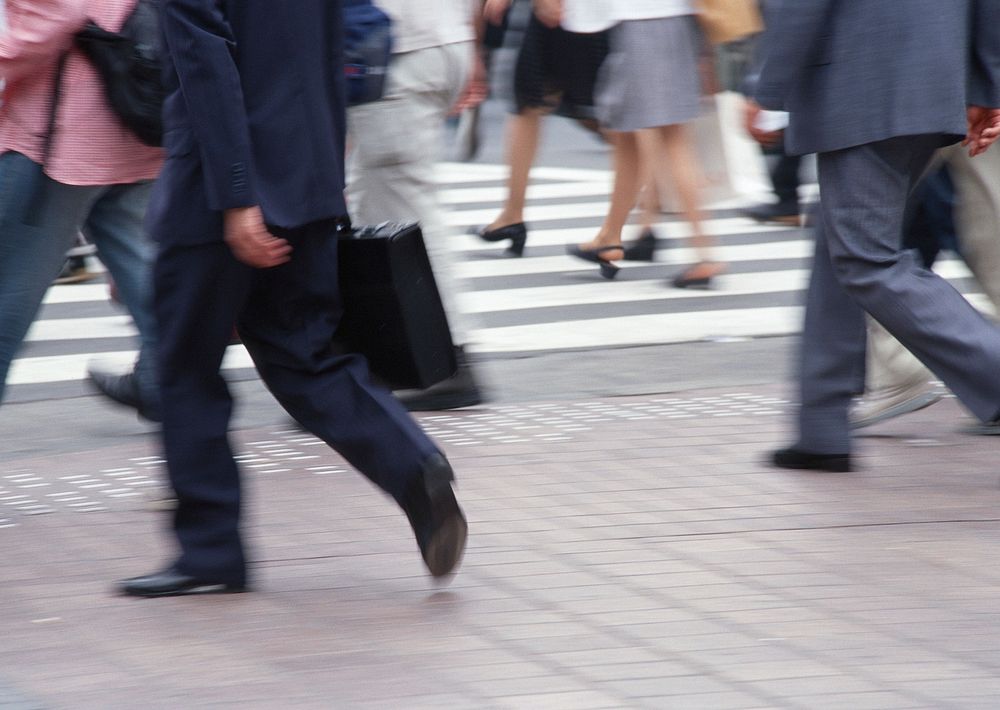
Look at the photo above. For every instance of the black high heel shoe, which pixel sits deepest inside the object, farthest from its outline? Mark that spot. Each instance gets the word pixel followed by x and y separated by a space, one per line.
pixel 517 234
pixel 686 279
pixel 641 249
pixel 608 269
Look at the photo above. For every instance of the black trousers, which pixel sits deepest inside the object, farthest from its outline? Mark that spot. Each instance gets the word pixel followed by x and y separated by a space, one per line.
pixel 286 317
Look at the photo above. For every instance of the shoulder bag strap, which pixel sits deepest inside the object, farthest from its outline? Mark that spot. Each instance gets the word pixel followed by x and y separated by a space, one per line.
pixel 36 206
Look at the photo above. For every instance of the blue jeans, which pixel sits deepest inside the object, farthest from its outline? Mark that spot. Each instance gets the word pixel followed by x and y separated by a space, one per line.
pixel 39 221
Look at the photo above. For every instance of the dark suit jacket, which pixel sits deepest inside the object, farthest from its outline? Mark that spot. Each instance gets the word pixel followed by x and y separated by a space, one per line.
pixel 254 115
pixel 853 72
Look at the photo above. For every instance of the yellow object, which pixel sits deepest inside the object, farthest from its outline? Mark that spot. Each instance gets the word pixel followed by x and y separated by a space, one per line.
pixel 725 21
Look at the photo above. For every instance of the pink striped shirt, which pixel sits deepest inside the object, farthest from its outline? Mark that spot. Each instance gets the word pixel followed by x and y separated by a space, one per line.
pixel 91 146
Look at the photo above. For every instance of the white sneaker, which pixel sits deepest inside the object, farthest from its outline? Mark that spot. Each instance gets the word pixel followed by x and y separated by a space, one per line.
pixel 879 405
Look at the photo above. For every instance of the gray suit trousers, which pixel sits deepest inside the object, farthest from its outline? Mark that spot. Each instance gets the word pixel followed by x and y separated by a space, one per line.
pixel 859 266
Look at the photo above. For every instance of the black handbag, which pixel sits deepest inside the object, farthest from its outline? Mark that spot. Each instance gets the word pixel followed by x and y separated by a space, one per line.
pixel 393 313
pixel 130 65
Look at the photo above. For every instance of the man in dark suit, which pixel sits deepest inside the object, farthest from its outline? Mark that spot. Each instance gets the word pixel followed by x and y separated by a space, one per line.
pixel 875 88
pixel 246 211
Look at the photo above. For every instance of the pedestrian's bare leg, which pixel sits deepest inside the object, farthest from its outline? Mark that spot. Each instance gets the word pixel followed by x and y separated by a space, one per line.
pixel 623 196
pixel 682 164
pixel 523 130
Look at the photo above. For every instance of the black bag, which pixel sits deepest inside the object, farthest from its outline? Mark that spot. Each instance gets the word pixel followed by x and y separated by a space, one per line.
pixel 392 308
pixel 367 50
pixel 129 64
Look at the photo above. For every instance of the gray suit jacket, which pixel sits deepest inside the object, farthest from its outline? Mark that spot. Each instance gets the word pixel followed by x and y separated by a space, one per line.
pixel 853 72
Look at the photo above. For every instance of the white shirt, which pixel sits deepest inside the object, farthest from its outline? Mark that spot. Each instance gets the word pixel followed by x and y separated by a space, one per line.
pixel 596 15
pixel 651 9
pixel 586 16
pixel 421 24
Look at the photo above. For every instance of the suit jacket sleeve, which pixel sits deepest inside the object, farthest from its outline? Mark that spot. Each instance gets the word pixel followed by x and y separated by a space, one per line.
pixel 794 31
pixel 201 46
pixel 985 81
pixel 37 31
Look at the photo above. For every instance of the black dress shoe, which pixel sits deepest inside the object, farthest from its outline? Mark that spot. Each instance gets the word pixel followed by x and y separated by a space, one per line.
pixel 436 519
pixel 459 390
pixel 125 390
pixel 798 459
pixel 786 214
pixel 687 278
pixel 171 583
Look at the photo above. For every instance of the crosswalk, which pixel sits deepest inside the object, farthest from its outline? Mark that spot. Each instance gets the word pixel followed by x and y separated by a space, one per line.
pixel 543 301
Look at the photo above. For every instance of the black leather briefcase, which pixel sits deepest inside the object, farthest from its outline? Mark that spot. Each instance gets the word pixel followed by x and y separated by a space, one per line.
pixel 392 308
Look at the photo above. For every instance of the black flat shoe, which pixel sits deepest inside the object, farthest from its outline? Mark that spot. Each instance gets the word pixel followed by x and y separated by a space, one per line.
pixel 436 519
pixel 517 234
pixel 643 248
pixel 798 459
pixel 608 269
pixel 786 214
pixel 172 583
pixel 459 390
pixel 124 390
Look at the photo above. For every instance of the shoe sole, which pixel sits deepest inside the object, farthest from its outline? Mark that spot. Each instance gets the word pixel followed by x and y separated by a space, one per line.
pixel 981 429
pixel 837 465
pixel 74 279
pixel 192 591
pixel 444 550
pixel 921 401
pixel 446 547
pixel 787 221
pixel 436 403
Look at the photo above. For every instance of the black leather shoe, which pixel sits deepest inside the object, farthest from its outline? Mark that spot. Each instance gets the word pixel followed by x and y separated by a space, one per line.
pixel 785 214
pixel 171 583
pixel 517 234
pixel 125 390
pixel 436 519
pixel 459 390
pixel 798 459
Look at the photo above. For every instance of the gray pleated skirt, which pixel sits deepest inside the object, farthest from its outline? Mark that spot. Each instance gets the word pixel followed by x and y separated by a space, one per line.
pixel 650 77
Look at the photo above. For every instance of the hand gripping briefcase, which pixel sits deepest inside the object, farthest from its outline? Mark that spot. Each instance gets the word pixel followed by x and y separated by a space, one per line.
pixel 392 308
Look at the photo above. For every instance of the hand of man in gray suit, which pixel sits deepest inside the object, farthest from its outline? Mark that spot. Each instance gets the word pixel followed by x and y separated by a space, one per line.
pixel 984 129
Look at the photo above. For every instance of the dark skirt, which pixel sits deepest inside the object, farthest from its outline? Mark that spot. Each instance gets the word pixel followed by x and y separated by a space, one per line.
pixel 557 70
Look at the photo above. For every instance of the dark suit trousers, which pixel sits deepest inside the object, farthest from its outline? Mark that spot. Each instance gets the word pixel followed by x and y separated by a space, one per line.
pixel 286 317
pixel 860 266
pixel 785 178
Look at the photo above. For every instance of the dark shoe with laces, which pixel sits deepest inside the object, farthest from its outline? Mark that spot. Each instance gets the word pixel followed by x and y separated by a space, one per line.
pixel 123 389
pixel 436 518
pixel 75 271
pixel 807 460
pixel 171 583
pixel 788 215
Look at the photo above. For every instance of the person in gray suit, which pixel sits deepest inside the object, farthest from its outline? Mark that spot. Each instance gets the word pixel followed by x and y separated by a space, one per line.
pixel 874 88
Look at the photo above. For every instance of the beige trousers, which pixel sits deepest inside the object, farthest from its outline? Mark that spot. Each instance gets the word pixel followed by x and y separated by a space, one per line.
pixel 394 145
pixel 977 220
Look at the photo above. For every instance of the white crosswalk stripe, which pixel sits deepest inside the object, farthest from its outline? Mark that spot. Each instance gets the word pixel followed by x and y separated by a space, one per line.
pixel 545 300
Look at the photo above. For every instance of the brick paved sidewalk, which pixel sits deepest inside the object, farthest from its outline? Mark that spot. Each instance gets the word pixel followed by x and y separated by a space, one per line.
pixel 624 553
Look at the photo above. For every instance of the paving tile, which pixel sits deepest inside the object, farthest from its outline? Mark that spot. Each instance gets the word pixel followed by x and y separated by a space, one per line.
pixel 690 685
pixel 885 700
pixel 661 567
pixel 581 700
